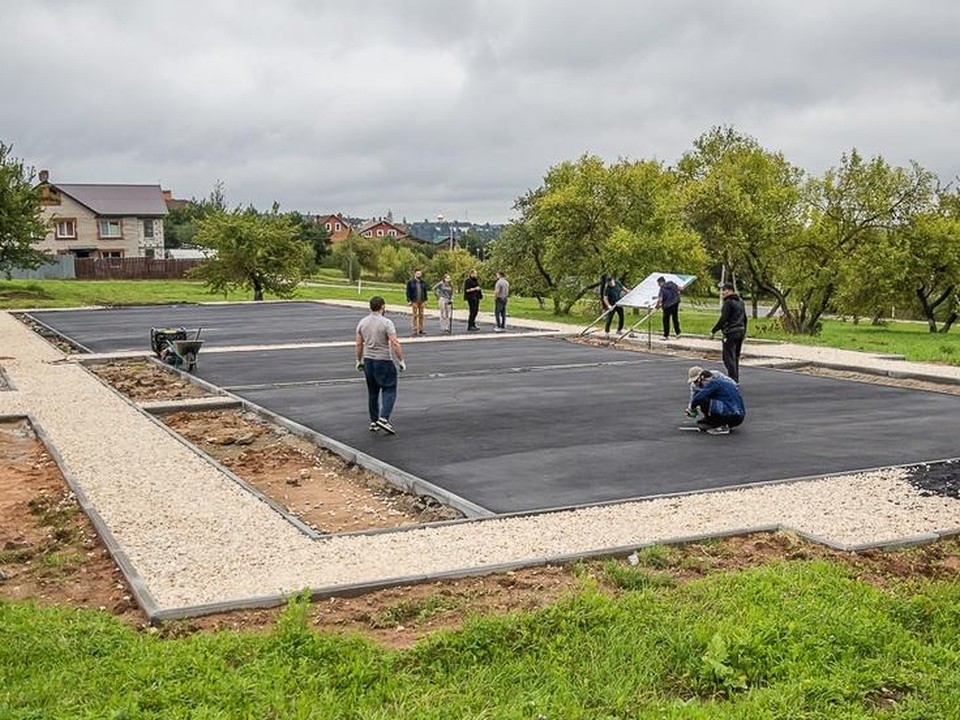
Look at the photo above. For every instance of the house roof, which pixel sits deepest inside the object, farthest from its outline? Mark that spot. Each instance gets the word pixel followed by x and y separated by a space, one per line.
pixel 370 224
pixel 117 199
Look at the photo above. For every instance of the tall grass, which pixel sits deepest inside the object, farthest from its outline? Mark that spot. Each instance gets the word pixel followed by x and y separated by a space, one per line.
pixel 800 639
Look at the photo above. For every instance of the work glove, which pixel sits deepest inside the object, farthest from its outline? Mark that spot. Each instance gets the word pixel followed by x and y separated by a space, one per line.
pixel 359 365
pixel 402 366
pixel 691 413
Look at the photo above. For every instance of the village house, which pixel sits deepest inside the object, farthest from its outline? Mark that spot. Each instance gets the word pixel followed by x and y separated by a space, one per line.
pixel 102 221
pixel 336 226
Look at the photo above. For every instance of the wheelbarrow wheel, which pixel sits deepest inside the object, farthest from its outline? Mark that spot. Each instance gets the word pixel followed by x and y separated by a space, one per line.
pixel 190 360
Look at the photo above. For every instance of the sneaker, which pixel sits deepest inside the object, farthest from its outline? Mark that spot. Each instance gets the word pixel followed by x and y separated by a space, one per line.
pixel 374 427
pixel 498 329
pixel 721 430
pixel 384 424
pixel 472 329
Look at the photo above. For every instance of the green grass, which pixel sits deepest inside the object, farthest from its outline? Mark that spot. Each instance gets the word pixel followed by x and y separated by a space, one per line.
pixel 909 339
pixel 797 640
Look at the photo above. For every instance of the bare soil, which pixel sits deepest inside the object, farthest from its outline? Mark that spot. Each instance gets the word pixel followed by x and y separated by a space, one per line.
pixel 49 551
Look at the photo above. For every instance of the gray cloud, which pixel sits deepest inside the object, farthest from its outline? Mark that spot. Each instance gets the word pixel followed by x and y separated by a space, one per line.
pixel 427 106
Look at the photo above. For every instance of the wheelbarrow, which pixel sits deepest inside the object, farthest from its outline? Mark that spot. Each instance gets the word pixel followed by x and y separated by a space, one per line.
pixel 176 346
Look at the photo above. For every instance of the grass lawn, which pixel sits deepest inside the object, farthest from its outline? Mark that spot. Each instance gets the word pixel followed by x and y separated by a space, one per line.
pixel 909 339
pixel 796 639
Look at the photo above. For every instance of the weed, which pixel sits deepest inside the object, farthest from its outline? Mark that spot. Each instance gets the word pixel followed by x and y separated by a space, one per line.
pixel 626 577
pixel 406 611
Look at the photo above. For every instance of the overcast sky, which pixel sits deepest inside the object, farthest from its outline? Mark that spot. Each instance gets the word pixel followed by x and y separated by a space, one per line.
pixel 457 107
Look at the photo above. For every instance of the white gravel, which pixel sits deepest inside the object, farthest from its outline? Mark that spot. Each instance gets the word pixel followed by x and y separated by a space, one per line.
pixel 195 538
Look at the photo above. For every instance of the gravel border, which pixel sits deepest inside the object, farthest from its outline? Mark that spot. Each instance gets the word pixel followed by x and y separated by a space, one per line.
pixel 196 542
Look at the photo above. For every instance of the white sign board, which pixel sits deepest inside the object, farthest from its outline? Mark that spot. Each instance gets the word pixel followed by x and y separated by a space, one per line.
pixel 645 294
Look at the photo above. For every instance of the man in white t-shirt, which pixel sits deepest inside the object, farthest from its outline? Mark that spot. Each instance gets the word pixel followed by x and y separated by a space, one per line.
pixel 501 291
pixel 377 349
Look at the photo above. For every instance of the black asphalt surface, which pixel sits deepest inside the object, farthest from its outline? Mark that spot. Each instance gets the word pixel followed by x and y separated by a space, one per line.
pixel 532 423
pixel 128 328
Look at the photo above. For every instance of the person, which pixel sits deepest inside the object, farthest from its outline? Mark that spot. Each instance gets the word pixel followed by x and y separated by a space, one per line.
pixel 718 398
pixel 417 297
pixel 473 295
pixel 501 291
pixel 669 300
pixel 612 292
pixel 377 349
pixel 444 293
pixel 733 323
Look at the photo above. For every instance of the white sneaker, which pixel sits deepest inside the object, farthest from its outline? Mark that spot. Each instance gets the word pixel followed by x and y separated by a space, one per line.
pixel 720 430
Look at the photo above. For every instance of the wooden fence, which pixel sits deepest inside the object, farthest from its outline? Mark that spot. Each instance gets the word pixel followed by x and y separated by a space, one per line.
pixel 132 268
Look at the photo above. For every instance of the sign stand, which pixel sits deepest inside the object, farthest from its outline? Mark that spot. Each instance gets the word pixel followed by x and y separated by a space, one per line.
pixel 644 296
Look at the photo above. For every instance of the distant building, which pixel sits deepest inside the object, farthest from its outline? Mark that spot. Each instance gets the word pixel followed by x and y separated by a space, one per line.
pixel 102 221
pixel 383 229
pixel 336 225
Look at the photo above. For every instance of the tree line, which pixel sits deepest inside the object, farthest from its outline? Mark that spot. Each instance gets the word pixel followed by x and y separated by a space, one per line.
pixel 859 240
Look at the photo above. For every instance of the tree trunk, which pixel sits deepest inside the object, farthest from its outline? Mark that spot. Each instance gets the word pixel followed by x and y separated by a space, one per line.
pixel 949 323
pixel 929 308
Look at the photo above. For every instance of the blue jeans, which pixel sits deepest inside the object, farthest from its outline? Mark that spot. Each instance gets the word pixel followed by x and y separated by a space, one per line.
pixel 381 378
pixel 500 312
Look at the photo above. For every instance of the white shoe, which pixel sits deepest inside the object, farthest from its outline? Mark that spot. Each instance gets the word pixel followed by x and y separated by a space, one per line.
pixel 721 430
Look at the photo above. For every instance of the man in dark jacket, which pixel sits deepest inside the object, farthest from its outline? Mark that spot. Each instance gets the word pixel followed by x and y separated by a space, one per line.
pixel 733 323
pixel 718 398
pixel 417 297
pixel 610 295
pixel 473 295
pixel 669 300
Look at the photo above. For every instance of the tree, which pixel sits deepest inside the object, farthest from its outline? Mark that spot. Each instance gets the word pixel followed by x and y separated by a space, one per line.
pixel 315 235
pixel 850 209
pixel 262 253
pixel 933 265
pixel 588 219
pixel 180 223
pixel 746 204
pixel 20 221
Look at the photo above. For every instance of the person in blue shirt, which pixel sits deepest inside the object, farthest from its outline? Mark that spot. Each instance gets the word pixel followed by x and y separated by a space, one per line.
pixel 719 400
pixel 668 299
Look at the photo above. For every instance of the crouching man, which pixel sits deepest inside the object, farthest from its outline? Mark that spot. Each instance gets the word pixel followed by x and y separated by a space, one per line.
pixel 718 398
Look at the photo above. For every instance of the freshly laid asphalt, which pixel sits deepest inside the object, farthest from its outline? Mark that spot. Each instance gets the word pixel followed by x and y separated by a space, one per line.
pixel 128 328
pixel 533 423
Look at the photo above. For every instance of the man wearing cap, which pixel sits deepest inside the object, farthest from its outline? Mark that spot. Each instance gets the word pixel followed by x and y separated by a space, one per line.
pixel 733 323
pixel 718 398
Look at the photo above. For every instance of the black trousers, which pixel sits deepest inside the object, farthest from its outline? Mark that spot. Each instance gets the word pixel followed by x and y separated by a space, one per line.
pixel 618 311
pixel 671 312
pixel 732 345
pixel 474 305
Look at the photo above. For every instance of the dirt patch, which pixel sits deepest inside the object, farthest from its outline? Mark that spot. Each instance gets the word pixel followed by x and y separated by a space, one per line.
pixel 49 550
pixel 142 380
pixel 50 335
pixel 880 379
pixel 313 484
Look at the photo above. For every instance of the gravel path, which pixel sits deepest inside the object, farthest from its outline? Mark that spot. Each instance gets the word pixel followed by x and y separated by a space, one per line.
pixel 194 540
